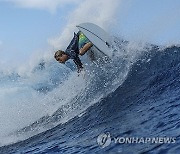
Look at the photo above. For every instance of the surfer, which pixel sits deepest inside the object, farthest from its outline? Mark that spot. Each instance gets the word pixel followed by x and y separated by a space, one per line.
pixel 79 45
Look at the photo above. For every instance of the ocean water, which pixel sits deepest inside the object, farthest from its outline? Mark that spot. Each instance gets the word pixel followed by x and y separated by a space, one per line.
pixel 135 95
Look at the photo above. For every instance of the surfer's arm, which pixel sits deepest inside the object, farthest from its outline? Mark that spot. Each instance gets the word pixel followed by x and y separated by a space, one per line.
pixel 85 48
pixel 78 63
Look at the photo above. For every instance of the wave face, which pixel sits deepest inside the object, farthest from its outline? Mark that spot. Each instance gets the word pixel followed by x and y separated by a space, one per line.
pixel 134 95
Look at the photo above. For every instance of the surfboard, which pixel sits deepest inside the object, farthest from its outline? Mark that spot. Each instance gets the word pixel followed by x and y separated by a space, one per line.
pixel 98 36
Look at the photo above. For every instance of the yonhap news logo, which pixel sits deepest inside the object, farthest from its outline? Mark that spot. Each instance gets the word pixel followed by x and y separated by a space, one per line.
pixel 105 139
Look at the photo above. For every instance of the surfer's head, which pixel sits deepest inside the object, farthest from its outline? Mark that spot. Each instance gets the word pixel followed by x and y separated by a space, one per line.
pixel 61 56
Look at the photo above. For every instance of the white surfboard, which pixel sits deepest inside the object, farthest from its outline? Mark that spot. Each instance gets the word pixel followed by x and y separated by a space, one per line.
pixel 98 36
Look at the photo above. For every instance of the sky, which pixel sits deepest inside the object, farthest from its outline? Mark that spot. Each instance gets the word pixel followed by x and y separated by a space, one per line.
pixel 28 27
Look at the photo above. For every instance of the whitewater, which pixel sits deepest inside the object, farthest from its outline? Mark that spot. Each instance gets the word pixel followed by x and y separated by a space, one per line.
pixel 48 108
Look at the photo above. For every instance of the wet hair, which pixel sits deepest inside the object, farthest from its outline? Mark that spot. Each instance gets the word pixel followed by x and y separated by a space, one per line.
pixel 58 53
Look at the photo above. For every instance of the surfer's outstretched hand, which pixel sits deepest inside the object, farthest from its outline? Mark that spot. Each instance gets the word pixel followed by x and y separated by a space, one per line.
pixel 81 71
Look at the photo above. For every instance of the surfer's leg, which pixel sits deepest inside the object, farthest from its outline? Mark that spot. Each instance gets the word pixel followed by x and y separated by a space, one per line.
pixel 84 44
pixel 85 48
